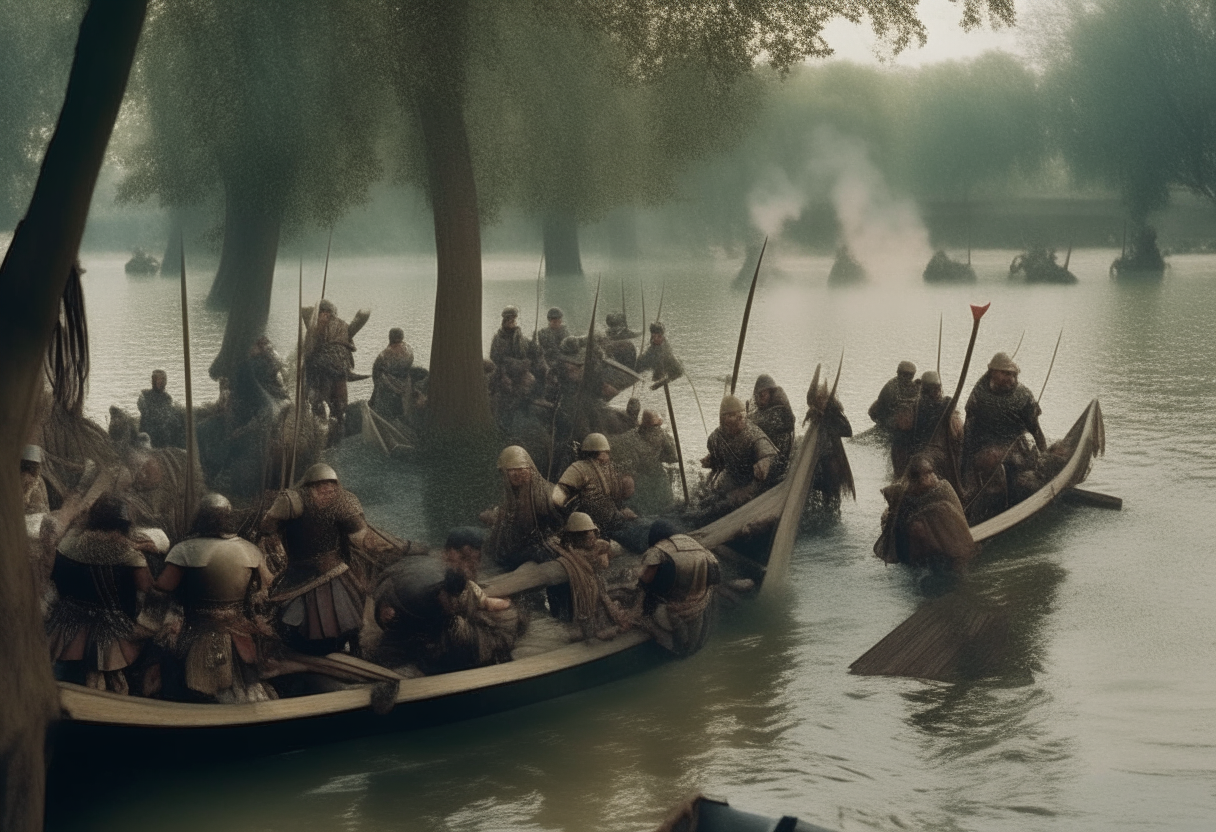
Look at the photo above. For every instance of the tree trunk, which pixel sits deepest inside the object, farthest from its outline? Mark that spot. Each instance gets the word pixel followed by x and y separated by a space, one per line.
pixel 33 277
pixel 561 245
pixel 170 263
pixel 246 274
pixel 457 396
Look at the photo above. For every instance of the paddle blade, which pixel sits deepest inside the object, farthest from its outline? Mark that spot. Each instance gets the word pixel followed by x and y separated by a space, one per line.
pixel 978 311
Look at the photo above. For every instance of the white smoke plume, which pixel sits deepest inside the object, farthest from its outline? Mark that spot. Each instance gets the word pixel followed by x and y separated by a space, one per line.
pixel 774 201
pixel 884 233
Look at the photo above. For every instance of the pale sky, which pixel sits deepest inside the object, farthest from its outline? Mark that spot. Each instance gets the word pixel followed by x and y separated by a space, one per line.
pixel 947 40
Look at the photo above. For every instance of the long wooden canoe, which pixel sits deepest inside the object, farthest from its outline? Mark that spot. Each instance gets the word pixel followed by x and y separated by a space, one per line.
pixel 174 730
pixel 1089 435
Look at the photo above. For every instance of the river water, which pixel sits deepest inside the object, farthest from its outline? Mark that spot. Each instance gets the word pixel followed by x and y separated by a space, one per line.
pixel 1103 716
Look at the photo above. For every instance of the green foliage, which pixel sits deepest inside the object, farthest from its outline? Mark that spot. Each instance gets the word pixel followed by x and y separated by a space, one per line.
pixel 1134 95
pixel 35 56
pixel 279 98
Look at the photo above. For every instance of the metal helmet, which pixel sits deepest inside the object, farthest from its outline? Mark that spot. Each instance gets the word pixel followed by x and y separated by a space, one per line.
pixel 144 441
pixel 906 367
pixel 214 502
pixel 763 382
pixel 319 472
pixel 396 335
pixel 514 456
pixel 327 306
pixel 595 442
pixel 1002 361
pixel 110 512
pixel 213 517
pixel 651 419
pixel 614 319
pixel 579 521
pixel 931 378
pixel 510 312
pixel 554 313
pixel 920 465
pixel 657 328
pixel 32 453
pixel 730 404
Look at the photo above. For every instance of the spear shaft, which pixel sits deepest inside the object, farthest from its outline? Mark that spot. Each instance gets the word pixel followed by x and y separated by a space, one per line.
pixel 189 506
pixel 295 441
pixel 939 343
pixel 324 274
pixel 747 313
pixel 675 435
pixel 1051 365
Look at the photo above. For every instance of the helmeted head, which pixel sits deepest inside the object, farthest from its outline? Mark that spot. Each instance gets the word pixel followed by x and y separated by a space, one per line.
pixel 657 333
pixel 143 441
pixel 110 513
pixel 213 516
pixel 318 473
pixel 1001 361
pixel 595 444
pixel 510 317
pixel 159 379
pixel 906 370
pixel 731 414
pixel 326 307
pixel 919 467
pixel 763 382
pixel 580 521
pixel 554 314
pixel 650 419
pixel 31 454
pixel 614 320
pixel 396 335
pixel 633 407
pixel 931 383
pixel 514 456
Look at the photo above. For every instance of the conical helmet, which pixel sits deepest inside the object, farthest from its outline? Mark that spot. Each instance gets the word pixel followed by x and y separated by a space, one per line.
pixel 1002 361
pixel 596 442
pixel 730 404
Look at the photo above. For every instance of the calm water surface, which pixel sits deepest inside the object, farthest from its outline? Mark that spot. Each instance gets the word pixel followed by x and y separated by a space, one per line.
pixel 1103 717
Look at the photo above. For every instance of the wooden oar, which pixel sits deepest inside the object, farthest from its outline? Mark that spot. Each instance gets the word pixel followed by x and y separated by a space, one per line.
pixel 675 434
pixel 189 504
pixel 747 313
pixel 800 480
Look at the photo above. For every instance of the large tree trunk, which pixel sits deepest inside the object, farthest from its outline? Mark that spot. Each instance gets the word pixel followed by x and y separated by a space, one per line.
pixel 246 274
pixel 33 277
pixel 561 245
pixel 457 397
pixel 177 230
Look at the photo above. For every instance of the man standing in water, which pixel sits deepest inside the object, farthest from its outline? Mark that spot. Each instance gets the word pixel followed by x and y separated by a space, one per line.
pixel 159 417
pixel 929 411
pixel 775 417
pixel 318 525
pixel 328 361
pixel 924 523
pixel 895 412
pixel 659 358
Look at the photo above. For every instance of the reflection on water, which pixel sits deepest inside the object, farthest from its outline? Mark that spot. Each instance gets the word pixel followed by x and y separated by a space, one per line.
pixel 1101 713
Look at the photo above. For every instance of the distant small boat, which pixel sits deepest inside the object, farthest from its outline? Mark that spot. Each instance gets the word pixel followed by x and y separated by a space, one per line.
pixel 1141 260
pixel 846 269
pixel 1038 265
pixel 142 264
pixel 941 269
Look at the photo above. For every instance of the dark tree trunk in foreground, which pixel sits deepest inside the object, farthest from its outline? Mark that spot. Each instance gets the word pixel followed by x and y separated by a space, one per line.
pixel 457 396
pixel 245 275
pixel 170 263
pixel 561 245
pixel 32 278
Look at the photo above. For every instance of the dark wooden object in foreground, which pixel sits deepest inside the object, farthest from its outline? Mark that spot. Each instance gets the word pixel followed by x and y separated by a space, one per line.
pixel 698 813
pixel 945 640
pixel 1095 499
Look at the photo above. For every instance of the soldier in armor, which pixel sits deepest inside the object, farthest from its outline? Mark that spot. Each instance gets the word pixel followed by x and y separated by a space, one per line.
pixel 432 619
pixel 593 485
pixel 527 517
pixel 393 389
pixel 833 474
pixel 678 582
pixel 659 358
pixel 159 417
pixel 215 574
pixel 929 412
pixel 551 337
pixel 585 557
pixel 895 412
pixel 642 453
pixel 321 597
pixel 618 340
pixel 267 369
pixel 508 341
pixel 1000 414
pixel 329 362
pixel 99 575
pixel 33 487
pixel 740 459
pixel 774 416
pixel 924 524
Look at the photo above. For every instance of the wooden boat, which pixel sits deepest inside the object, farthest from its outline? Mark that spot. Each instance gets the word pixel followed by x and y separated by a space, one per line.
pixel 1088 437
pixel 177 730
pixel 700 813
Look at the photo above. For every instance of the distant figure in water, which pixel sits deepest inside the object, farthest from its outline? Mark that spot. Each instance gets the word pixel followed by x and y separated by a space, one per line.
pixel 895 412
pixel 159 417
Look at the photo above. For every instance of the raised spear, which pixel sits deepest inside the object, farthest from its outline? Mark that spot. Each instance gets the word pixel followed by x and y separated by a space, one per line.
pixel 1018 347
pixel 189 505
pixel 675 435
pixel 939 342
pixel 747 313
pixel 295 441
pixel 324 274
pixel 539 270
pixel 1051 365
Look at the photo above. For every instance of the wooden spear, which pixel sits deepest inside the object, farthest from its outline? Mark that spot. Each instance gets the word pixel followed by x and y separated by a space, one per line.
pixel 539 270
pixel 324 274
pixel 1018 347
pixel 675 435
pixel 190 446
pixel 295 441
pixel 1049 366
pixel 940 316
pixel 747 313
